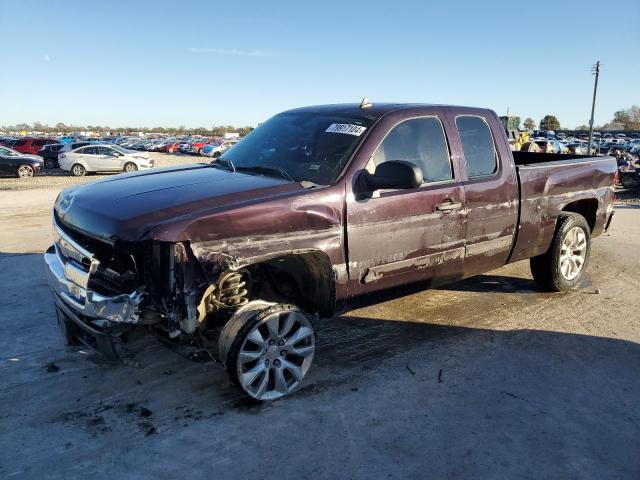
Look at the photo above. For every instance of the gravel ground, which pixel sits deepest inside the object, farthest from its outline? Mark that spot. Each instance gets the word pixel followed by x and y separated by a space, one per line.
pixel 486 378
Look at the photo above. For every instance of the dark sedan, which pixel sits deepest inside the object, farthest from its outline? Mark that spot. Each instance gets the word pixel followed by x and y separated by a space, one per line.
pixel 19 164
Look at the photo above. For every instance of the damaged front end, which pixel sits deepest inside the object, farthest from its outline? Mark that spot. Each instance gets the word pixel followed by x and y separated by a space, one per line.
pixel 105 291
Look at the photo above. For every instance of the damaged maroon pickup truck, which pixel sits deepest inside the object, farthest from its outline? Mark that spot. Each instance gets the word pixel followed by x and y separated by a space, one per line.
pixel 317 208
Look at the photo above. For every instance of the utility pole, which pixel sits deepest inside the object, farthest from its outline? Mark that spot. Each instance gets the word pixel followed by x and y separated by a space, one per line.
pixel 595 70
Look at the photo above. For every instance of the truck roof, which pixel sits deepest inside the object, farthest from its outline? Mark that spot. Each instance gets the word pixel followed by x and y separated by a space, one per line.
pixel 376 110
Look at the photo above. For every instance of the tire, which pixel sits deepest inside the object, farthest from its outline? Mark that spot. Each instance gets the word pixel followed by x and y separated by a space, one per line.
pixel 216 155
pixel 50 163
pixel 562 267
pixel 25 171
pixel 78 170
pixel 130 167
pixel 267 349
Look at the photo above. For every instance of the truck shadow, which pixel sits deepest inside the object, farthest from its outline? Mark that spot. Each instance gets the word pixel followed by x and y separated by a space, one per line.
pixel 495 284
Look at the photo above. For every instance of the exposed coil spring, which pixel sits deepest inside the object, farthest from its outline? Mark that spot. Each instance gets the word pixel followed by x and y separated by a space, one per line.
pixel 231 291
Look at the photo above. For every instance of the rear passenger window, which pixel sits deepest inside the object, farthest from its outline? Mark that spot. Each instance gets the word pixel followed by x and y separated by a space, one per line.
pixel 420 141
pixel 477 144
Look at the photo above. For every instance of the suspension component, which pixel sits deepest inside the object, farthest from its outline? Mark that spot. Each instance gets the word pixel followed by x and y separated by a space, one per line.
pixel 228 293
pixel 231 291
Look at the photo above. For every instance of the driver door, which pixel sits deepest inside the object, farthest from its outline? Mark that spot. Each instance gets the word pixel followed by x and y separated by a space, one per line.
pixel 401 236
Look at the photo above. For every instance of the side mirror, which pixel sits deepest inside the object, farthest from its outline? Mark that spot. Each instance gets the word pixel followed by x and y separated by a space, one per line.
pixel 393 174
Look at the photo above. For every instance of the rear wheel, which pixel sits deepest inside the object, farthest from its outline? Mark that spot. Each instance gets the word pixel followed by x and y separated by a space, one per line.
pixel 130 167
pixel 268 349
pixel 78 170
pixel 25 171
pixel 563 266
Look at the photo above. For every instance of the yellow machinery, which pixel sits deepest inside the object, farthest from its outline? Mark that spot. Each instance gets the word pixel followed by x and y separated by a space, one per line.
pixel 517 139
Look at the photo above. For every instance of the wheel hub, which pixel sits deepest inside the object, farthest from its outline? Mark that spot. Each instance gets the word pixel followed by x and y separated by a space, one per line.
pixel 573 253
pixel 276 355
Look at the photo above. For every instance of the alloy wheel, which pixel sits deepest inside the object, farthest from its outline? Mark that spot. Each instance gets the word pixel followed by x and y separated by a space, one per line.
pixel 276 355
pixel 573 253
pixel 25 171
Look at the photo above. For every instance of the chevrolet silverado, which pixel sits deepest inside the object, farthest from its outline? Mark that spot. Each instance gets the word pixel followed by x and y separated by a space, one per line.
pixel 315 210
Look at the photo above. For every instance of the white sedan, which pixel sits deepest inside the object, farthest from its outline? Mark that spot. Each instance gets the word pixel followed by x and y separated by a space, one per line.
pixel 103 158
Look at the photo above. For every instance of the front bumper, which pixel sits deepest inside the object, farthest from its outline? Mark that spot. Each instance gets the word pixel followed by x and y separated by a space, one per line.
pixel 69 269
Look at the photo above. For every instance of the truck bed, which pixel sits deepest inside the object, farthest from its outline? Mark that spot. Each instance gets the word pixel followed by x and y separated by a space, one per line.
pixel 533 158
pixel 552 183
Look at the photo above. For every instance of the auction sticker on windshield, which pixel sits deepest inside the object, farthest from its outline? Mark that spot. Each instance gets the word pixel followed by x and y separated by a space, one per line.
pixel 346 128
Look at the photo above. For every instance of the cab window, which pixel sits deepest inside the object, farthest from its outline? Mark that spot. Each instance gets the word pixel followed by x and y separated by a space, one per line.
pixel 477 145
pixel 420 141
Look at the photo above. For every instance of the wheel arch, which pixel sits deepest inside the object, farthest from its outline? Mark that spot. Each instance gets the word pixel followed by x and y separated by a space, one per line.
pixel 305 278
pixel 24 164
pixel 79 162
pixel 587 207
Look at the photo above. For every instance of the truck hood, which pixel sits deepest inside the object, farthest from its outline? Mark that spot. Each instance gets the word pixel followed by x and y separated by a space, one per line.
pixel 129 206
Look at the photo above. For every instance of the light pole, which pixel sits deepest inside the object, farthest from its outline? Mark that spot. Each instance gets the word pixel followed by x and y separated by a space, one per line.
pixel 595 70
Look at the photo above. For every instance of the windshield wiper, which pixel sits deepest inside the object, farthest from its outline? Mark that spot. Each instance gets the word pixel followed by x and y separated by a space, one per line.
pixel 224 163
pixel 267 170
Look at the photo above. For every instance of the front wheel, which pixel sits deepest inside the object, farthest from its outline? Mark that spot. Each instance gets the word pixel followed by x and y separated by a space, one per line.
pixel 130 167
pixel 268 349
pixel 563 266
pixel 25 171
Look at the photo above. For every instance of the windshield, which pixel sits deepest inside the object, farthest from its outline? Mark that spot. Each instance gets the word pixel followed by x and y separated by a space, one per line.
pixel 306 146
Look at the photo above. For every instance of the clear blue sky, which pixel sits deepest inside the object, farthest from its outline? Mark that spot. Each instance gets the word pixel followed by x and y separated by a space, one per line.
pixel 199 63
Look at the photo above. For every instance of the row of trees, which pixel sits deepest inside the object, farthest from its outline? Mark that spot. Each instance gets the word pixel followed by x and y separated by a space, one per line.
pixel 548 122
pixel 624 119
pixel 181 130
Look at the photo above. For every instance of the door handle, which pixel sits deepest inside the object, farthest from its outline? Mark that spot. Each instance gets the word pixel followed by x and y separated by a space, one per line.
pixel 448 205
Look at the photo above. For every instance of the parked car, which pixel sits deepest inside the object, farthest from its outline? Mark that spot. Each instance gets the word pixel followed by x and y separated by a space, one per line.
pixel 103 158
pixel 49 154
pixel 7 141
pixel 172 147
pixel 318 207
pixel 546 146
pixel 195 147
pixel 31 145
pixel 577 148
pixel 218 150
pixel 19 164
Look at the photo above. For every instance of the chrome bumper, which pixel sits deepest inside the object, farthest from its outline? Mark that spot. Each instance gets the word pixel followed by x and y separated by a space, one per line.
pixel 69 268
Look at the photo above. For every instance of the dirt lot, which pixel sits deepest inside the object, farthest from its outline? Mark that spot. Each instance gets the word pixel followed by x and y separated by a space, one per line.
pixel 487 378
